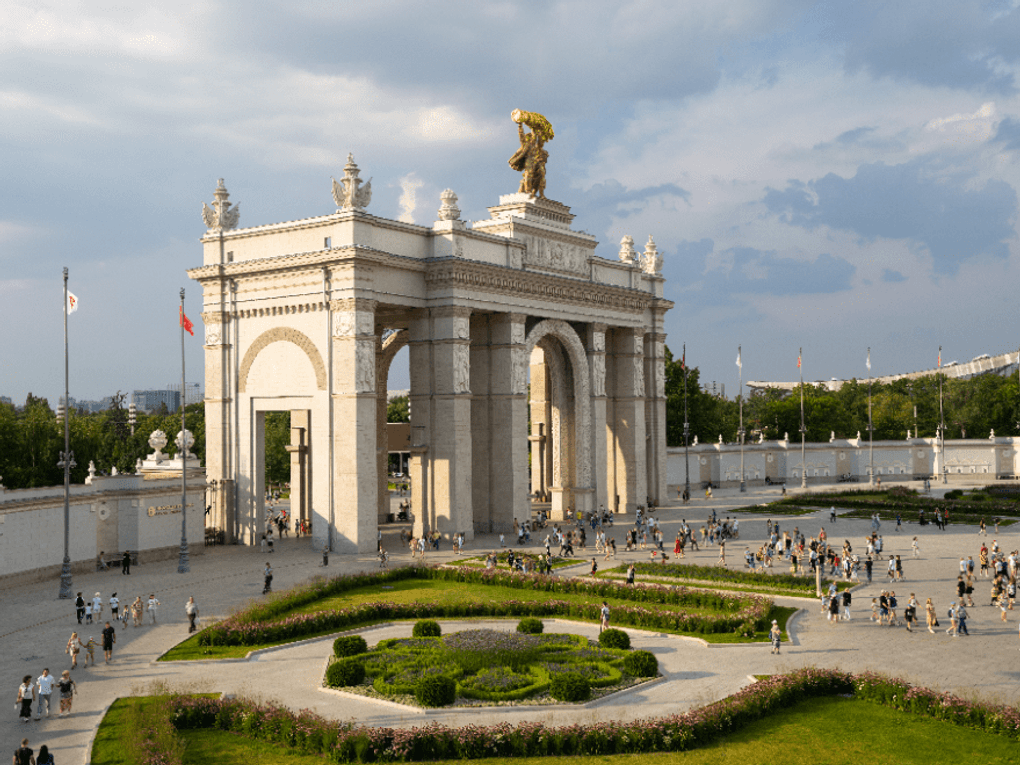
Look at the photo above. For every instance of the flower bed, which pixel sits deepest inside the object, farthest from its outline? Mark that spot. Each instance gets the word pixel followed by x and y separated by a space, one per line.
pixel 776 581
pixel 269 622
pixel 345 742
pixel 908 505
pixel 485 665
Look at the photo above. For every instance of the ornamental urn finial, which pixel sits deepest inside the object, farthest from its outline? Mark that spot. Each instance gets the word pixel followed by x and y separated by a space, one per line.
pixel 348 193
pixel 627 252
pixel 651 261
pixel 448 210
pixel 222 215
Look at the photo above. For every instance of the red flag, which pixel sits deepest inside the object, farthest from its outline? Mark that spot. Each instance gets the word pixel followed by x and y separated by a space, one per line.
pixel 186 323
pixel 683 361
pixel 798 362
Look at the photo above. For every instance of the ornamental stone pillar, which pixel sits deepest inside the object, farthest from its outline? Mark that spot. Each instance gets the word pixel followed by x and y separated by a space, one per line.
pixel 508 467
pixel 595 342
pixel 541 424
pixel 629 419
pixel 354 426
pixel 220 392
pixel 655 415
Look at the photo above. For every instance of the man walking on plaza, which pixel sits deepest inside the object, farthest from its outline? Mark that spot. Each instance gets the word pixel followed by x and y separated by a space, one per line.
pixel 45 686
pixel 109 638
pixel 125 564
pixel 152 606
pixel 191 609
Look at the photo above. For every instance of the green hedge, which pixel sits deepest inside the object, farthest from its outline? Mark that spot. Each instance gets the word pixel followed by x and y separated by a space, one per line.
pixel 569 686
pixel 613 638
pixel 345 672
pixel 346 742
pixel 530 626
pixel 427 628
pixel 435 691
pixel 269 622
pixel 641 664
pixel 349 645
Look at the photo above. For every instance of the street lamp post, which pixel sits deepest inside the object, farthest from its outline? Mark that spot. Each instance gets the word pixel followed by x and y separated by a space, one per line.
pixel 942 423
pixel 687 435
pixel 803 428
pixel 183 562
pixel 871 430
pixel 740 430
pixel 66 462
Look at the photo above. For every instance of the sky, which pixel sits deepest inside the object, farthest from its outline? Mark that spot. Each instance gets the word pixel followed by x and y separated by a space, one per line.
pixel 826 175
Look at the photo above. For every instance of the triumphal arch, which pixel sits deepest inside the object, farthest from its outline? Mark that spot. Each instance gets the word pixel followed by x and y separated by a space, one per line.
pixel 307 316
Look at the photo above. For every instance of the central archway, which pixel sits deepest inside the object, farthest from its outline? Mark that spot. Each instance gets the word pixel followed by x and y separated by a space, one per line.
pixel 571 427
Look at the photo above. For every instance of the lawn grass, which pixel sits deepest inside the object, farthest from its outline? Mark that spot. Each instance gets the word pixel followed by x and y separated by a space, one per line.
pixel 820 730
pixel 719 578
pixel 108 749
pixel 434 591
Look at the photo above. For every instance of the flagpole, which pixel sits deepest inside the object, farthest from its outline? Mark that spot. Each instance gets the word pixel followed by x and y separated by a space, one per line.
pixel 687 435
pixel 740 431
pixel 803 429
pixel 66 462
pixel 183 563
pixel 942 423
pixel 871 430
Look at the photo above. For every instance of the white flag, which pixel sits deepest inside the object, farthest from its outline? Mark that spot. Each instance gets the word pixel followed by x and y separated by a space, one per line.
pixel 869 359
pixel 72 302
pixel 739 363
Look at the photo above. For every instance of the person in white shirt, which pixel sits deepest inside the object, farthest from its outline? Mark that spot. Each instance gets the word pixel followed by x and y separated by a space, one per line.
pixel 152 606
pixel 45 686
pixel 97 606
pixel 114 606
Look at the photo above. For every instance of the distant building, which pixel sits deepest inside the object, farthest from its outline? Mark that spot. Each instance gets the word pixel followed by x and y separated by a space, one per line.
pixel 150 400
pixel 6 400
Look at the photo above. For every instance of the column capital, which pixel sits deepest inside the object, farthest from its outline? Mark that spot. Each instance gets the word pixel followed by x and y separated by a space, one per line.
pixel 353 304
pixel 450 311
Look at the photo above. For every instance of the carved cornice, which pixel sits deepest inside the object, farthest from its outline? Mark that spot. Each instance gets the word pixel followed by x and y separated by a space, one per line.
pixel 481 276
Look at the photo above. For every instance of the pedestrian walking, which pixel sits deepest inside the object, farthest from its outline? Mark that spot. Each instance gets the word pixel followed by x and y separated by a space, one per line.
pixel 44 758
pixel 267 576
pixel 136 611
pixel 90 652
pixel 775 635
pixel 125 564
pixel 97 606
pixel 67 690
pixel 930 617
pixel 88 612
pixel 917 550
pixel 73 648
pixel 604 617
pixel 109 638
pixel 26 695
pixel 630 573
pixel 152 606
pixel 24 755
pixel 44 688
pixel 79 607
pixel 191 609
pixel 114 606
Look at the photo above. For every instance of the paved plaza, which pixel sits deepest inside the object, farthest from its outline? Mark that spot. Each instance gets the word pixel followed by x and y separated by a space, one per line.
pixel 38 624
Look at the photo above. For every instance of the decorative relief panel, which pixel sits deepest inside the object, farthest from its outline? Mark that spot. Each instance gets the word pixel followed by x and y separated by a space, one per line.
pixel 598 375
pixel 213 334
pixel 660 378
pixel 519 370
pixel 462 369
pixel 639 378
pixel 598 342
pixel 343 324
pixel 561 256
pixel 364 360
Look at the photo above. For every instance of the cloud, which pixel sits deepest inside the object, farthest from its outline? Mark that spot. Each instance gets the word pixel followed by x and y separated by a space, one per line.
pixel 963 44
pixel 1008 133
pixel 409 186
pixel 892 277
pixel 984 114
pixel 952 214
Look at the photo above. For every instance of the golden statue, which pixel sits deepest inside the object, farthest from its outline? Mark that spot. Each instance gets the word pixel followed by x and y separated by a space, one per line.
pixel 530 159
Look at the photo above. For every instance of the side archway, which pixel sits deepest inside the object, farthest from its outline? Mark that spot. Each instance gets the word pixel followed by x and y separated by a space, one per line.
pixel 282 334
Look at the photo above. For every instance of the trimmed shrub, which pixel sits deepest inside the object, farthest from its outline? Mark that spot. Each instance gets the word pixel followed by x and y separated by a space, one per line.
pixel 530 626
pixel 426 628
pixel 570 686
pixel 345 672
pixel 613 638
pixel 349 645
pixel 641 664
pixel 435 690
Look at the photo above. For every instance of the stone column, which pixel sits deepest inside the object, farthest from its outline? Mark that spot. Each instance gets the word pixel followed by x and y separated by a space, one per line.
pixel 420 399
pixel 655 415
pixel 541 423
pixel 355 426
pixel 629 420
pixel 300 483
pixel 595 342
pixel 450 447
pixel 508 468
pixel 382 439
pixel 220 392
pixel 482 434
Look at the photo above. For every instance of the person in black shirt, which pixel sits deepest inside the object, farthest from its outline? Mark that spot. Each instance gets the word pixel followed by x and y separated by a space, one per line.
pixel 109 638
pixel 79 605
pixel 24 755
pixel 125 563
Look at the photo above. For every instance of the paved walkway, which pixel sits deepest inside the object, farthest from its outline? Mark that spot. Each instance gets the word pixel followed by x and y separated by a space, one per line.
pixel 37 626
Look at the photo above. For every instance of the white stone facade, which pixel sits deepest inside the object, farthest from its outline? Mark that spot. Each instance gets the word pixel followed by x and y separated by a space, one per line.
pixel 307 316
pixel 111 514
pixel 992 458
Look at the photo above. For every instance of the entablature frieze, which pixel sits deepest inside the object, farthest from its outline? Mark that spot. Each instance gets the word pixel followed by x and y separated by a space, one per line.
pixel 545 287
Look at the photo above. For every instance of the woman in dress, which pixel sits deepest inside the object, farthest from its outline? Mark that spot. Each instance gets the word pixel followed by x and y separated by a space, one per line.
pixel 67 691
pixel 929 612
pixel 73 648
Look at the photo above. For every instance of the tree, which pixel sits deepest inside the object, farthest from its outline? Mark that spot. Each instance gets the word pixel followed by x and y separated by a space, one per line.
pixel 398 410
pixel 277 440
